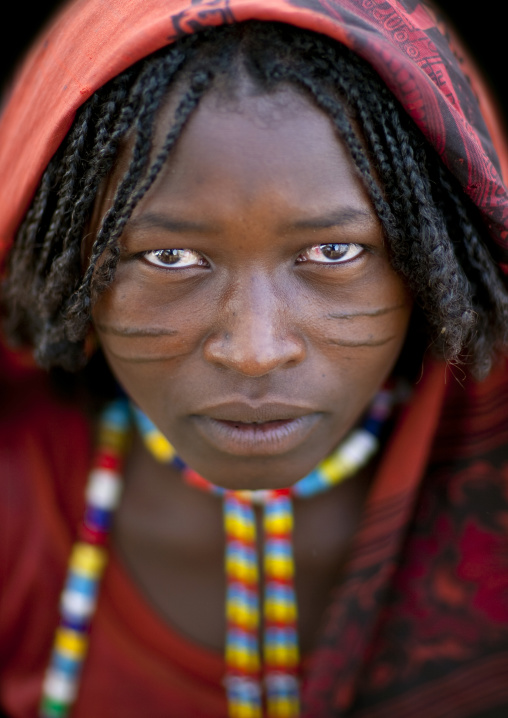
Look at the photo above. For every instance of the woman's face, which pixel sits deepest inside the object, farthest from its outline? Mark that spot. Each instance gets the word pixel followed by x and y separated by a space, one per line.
pixel 254 312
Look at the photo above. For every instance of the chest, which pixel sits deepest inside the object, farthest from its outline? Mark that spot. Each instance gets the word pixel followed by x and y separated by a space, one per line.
pixel 171 540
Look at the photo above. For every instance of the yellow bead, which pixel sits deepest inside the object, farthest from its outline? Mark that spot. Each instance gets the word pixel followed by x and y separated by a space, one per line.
pixel 239 529
pixel 87 560
pixel 279 566
pixel 244 710
pixel 283 708
pixel 280 611
pixel 159 446
pixel 242 659
pixel 111 438
pixel 282 656
pixel 243 571
pixel 239 613
pixel 335 469
pixel 70 642
pixel 278 524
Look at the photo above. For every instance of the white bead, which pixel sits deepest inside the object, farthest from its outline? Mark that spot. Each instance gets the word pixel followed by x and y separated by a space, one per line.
pixel 278 682
pixel 77 604
pixel 59 686
pixel 103 489
pixel 359 447
pixel 248 688
pixel 258 497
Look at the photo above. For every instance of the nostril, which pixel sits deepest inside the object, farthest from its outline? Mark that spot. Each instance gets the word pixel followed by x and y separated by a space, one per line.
pixel 253 353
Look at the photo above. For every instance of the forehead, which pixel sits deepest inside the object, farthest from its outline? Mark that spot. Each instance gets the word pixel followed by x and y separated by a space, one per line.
pixel 280 145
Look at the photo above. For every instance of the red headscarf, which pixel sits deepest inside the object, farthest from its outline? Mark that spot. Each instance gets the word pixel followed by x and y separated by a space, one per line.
pixel 92 41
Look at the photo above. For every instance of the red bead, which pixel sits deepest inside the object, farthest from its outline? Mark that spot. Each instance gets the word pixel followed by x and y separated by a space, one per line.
pixel 92 536
pixel 105 459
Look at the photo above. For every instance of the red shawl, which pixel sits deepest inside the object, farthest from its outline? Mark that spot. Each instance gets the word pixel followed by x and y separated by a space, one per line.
pixel 420 626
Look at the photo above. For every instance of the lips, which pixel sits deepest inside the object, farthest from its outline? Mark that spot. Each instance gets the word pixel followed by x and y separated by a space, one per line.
pixel 265 430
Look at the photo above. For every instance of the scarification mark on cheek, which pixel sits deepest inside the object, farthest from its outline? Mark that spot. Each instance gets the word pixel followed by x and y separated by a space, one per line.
pixel 133 332
pixel 374 313
pixel 361 342
pixel 141 359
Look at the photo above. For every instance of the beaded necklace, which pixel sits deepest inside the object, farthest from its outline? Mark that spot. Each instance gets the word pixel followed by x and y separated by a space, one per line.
pixel 244 668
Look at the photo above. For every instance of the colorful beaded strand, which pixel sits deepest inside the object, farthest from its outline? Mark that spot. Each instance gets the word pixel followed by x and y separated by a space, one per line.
pixel 354 452
pixel 281 651
pixel 86 566
pixel 242 609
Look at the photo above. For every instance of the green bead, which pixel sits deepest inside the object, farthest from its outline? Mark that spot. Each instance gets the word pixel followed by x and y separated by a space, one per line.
pixel 53 709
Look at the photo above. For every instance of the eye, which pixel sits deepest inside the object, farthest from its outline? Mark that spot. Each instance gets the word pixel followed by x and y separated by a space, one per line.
pixel 177 258
pixel 331 253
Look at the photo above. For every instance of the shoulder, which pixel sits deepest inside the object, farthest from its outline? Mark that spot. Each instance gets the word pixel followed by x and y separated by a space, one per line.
pixel 474 420
pixel 44 460
pixel 36 426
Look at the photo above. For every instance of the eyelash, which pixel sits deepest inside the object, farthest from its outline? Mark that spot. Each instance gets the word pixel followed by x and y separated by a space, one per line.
pixel 358 248
pixel 173 252
pixel 300 259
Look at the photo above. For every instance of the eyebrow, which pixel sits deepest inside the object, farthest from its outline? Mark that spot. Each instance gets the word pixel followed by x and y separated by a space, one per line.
pixel 335 218
pixel 152 220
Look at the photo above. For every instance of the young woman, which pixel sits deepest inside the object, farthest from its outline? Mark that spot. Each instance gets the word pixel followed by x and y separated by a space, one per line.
pixel 283 226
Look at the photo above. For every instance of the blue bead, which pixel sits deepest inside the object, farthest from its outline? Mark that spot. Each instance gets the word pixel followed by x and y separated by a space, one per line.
pixel 81 584
pixel 117 414
pixel 97 518
pixel 62 662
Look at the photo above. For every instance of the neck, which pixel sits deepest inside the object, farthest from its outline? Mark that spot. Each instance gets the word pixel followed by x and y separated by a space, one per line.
pixel 174 565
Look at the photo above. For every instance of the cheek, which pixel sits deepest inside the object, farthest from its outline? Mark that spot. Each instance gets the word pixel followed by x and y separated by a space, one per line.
pixel 362 335
pixel 140 322
pixel 373 312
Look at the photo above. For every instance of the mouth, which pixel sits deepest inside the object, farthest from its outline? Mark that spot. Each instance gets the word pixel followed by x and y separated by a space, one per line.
pixel 256 431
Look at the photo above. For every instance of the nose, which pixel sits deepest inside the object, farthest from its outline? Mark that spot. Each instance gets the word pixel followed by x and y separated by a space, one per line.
pixel 255 332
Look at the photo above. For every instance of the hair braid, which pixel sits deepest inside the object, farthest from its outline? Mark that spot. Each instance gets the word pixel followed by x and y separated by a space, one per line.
pixel 72 159
pixel 425 251
pixel 127 196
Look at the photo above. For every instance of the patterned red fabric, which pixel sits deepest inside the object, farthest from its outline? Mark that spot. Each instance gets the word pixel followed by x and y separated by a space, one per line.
pixel 424 630
pixel 419 626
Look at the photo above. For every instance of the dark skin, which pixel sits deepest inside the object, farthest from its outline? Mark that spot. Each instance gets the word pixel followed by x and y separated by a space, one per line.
pixel 253 316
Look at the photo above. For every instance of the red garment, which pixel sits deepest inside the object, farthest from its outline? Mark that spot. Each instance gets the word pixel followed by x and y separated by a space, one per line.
pixel 419 626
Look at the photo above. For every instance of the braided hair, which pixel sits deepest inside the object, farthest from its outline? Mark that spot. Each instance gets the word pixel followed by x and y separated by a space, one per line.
pixel 435 237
